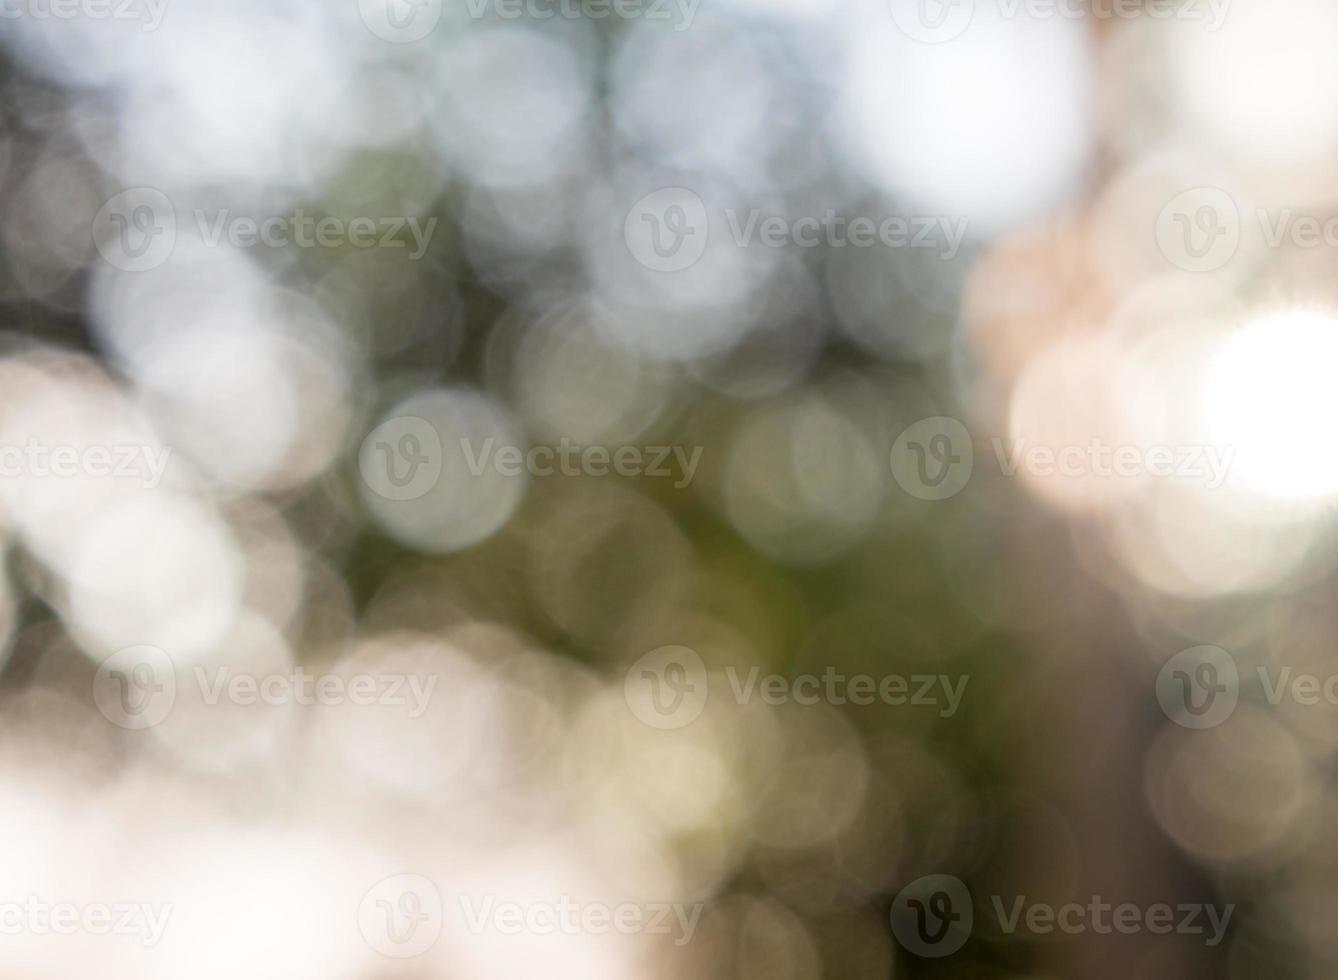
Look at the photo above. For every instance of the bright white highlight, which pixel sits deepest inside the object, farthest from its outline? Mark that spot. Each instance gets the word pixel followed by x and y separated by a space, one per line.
pixel 1266 84
pixel 993 126
pixel 1270 395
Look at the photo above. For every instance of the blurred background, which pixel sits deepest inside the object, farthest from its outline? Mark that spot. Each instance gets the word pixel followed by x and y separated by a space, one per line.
pixel 420 420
